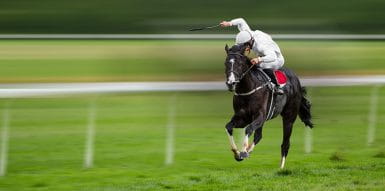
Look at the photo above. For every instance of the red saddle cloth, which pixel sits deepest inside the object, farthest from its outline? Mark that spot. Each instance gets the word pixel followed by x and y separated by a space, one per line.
pixel 280 77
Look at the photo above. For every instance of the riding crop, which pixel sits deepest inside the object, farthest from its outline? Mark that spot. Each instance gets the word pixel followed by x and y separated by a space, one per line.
pixel 203 28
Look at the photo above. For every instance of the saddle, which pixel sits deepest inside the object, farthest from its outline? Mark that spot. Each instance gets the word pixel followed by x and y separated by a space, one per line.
pixel 278 77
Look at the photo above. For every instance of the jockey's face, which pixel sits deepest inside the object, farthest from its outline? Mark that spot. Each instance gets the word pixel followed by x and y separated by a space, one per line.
pixel 249 45
pixel 247 49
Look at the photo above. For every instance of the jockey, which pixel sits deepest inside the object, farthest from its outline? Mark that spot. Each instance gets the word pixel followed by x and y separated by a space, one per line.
pixel 269 54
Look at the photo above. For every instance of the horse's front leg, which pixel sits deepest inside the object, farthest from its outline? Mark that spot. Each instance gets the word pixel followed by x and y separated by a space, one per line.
pixel 235 122
pixel 229 131
pixel 255 126
pixel 257 138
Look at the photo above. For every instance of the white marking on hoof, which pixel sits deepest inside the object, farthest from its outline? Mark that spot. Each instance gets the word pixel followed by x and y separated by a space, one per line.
pixel 250 148
pixel 245 143
pixel 283 162
pixel 232 143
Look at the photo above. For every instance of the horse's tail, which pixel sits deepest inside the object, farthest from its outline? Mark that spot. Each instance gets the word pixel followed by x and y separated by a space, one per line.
pixel 304 109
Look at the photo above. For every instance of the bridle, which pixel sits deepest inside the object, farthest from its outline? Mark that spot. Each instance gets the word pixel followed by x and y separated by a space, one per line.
pixel 251 42
pixel 243 75
pixel 232 66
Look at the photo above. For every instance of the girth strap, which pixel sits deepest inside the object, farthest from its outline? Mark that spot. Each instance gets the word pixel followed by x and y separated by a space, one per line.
pixel 270 108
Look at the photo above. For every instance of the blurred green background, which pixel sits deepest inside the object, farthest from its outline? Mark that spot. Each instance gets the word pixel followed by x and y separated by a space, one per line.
pixel 173 16
pixel 134 60
pixel 186 60
pixel 47 135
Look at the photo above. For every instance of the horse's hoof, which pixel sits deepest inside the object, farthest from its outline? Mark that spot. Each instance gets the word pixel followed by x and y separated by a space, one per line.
pixel 237 158
pixel 244 155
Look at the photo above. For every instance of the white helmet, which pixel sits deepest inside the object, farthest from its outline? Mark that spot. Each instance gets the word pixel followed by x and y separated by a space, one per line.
pixel 242 37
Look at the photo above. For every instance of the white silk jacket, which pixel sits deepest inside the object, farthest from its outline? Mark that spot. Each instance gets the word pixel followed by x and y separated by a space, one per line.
pixel 264 46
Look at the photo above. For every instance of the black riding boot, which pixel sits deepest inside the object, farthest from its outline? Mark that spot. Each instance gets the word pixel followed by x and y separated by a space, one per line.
pixel 277 88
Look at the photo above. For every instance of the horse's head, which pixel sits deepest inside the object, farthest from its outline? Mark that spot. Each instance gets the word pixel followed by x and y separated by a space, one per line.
pixel 236 65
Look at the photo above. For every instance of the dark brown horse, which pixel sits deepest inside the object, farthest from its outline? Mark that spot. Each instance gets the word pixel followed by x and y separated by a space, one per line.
pixel 255 102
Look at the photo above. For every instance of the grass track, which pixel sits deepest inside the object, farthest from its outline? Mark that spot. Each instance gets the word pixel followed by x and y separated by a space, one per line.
pixel 47 142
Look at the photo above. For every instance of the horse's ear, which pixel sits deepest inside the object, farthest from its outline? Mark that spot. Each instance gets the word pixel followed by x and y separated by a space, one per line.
pixel 227 48
pixel 243 47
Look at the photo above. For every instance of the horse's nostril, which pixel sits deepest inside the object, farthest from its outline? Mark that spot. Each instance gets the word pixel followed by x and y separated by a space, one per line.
pixel 230 83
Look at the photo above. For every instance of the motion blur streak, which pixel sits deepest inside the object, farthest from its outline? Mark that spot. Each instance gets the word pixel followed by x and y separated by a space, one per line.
pixel 4 141
pixel 373 114
pixel 89 149
pixel 170 131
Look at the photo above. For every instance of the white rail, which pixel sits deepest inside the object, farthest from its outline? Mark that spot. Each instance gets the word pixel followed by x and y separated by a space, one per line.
pixel 50 89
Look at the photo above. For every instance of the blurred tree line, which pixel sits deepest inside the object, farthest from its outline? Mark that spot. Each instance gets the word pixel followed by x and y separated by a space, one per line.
pixel 176 16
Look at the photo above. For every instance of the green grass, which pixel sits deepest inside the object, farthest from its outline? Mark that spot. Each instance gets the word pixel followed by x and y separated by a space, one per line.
pixel 47 139
pixel 88 60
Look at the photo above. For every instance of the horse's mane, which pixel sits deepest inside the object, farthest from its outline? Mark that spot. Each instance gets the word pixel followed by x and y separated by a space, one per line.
pixel 237 48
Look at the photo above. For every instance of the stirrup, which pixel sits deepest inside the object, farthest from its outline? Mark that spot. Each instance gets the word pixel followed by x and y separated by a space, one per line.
pixel 279 90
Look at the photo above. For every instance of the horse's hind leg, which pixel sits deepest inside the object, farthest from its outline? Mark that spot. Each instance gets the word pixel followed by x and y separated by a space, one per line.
pixel 287 128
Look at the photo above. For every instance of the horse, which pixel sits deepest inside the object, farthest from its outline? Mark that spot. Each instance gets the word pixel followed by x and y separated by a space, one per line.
pixel 255 102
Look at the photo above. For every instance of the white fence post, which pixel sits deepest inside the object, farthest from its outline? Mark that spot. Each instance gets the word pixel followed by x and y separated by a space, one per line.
pixel 170 128
pixel 4 141
pixel 90 134
pixel 372 115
